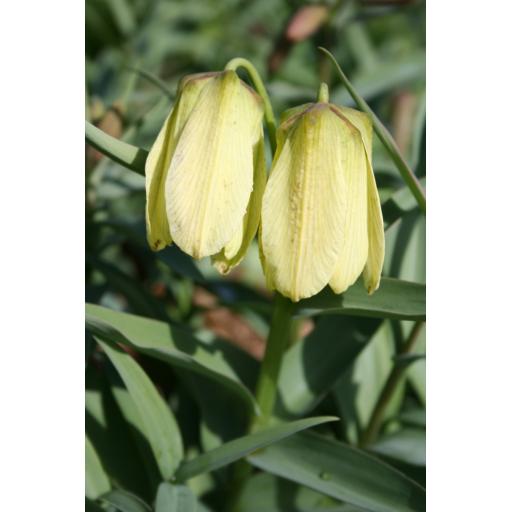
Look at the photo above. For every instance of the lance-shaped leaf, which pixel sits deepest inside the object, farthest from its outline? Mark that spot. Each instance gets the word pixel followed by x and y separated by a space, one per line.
pixel 175 498
pixel 238 448
pixel 397 299
pixel 124 501
pixel 341 472
pixel 160 427
pixel 166 342
pixel 96 480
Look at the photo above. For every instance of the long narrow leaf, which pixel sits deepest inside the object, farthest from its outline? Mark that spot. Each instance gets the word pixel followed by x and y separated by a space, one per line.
pixel 389 144
pixel 397 299
pixel 123 501
pixel 96 480
pixel 165 342
pixel 341 472
pixel 160 427
pixel 175 498
pixel 238 448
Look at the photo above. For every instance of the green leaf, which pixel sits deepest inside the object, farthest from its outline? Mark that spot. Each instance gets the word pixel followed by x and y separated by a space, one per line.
pixel 312 366
pixel 238 448
pixel 175 498
pixel 158 421
pixel 96 480
pixel 268 493
pixel 400 203
pixel 407 445
pixel 394 299
pixel 415 417
pixel 112 437
pixel 168 343
pixel 139 442
pixel 131 157
pixel 385 137
pixel 405 259
pixel 341 472
pixel 124 501
pixel 357 391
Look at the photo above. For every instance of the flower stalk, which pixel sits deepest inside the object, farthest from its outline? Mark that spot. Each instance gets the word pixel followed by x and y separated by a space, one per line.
pixel 277 342
pixel 256 80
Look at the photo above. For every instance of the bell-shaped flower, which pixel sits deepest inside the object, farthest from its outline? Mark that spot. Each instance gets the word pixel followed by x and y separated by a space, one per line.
pixel 205 173
pixel 321 216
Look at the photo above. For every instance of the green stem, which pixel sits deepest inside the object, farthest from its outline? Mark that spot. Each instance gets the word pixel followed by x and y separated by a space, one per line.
pixel 132 157
pixel 385 137
pixel 277 342
pixel 153 79
pixel 395 377
pixel 266 387
pixel 323 93
pixel 268 112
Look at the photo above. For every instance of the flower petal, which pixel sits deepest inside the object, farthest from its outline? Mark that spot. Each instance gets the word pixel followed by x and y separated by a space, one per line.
pixel 159 159
pixel 210 178
pixel 362 122
pixel 354 251
pixel 304 203
pixel 375 262
pixel 157 227
pixel 373 268
pixel 235 250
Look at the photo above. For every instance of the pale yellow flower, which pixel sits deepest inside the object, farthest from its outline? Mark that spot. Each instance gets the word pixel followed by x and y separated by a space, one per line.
pixel 205 173
pixel 321 216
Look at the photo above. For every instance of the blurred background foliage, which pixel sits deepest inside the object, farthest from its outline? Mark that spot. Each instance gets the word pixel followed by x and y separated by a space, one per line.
pixel 136 52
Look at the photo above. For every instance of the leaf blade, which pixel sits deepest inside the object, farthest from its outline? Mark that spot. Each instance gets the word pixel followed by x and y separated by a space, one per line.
pixel 160 426
pixel 341 472
pixel 176 498
pixel 238 448
pixel 124 501
pixel 165 342
pixel 96 480
pixel 395 298
pixel 390 145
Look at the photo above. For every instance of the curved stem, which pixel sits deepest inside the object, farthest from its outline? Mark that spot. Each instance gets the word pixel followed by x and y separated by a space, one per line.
pixel 377 417
pixel 385 137
pixel 132 157
pixel 270 120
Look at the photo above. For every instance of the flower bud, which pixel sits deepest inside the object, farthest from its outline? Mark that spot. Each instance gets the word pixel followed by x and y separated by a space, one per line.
pixel 205 173
pixel 321 217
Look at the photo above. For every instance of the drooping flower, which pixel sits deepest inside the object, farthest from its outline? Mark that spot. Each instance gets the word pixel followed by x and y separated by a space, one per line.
pixel 205 173
pixel 321 216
